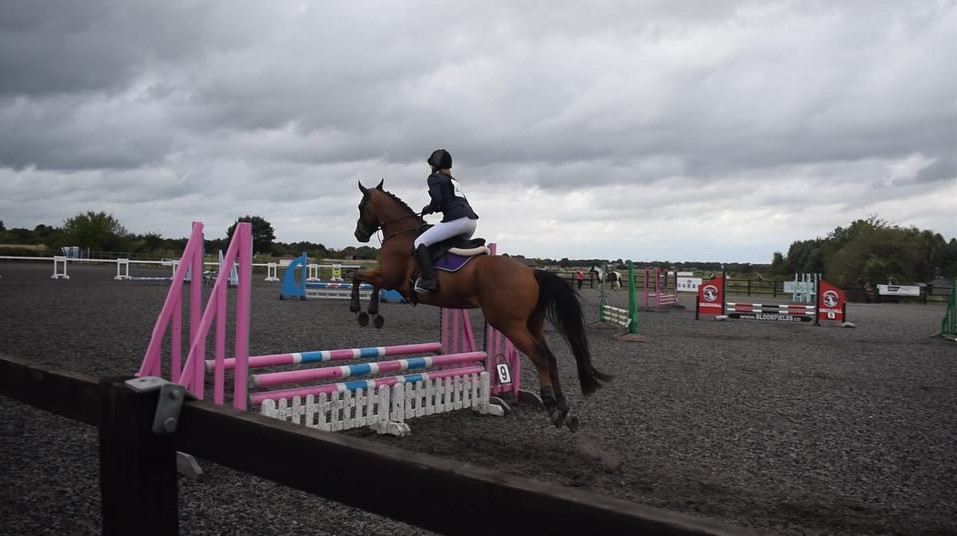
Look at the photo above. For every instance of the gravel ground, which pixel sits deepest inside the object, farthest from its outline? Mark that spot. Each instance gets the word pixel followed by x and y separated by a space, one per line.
pixel 783 428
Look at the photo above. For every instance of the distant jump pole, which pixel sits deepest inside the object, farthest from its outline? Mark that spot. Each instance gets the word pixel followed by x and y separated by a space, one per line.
pixel 621 317
pixel 632 334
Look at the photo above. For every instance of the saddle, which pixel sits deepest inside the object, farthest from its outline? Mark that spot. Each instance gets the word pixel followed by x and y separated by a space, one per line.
pixel 451 254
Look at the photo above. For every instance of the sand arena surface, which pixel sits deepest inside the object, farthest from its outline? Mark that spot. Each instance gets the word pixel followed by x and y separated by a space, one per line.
pixel 783 428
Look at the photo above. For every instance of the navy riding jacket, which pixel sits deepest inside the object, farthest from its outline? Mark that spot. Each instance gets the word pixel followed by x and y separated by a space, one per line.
pixel 447 198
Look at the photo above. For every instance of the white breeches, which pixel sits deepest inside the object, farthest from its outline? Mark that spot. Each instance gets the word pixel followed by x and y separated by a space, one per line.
pixel 441 231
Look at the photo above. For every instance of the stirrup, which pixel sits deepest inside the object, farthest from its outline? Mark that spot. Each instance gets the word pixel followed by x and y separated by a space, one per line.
pixel 420 289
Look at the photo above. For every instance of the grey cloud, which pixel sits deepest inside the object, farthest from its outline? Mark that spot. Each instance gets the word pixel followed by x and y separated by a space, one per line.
pixel 280 100
pixel 61 46
pixel 70 132
pixel 944 168
pixel 369 91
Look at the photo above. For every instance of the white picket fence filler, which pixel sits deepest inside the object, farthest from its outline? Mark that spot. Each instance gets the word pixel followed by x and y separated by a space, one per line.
pixel 616 315
pixel 385 409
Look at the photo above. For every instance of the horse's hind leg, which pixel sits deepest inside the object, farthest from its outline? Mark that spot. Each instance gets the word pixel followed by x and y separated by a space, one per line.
pixel 536 326
pixel 547 368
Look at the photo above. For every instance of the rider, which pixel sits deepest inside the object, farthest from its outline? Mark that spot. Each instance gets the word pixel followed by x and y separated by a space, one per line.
pixel 458 218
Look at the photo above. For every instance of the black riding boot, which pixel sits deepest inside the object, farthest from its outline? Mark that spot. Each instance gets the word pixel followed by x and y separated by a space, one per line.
pixel 426 281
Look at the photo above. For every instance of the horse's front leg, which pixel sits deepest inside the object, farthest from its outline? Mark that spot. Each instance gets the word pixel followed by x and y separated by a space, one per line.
pixel 373 310
pixel 374 278
pixel 354 306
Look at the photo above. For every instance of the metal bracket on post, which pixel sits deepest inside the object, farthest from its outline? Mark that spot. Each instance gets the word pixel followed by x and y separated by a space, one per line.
pixel 166 418
pixel 170 401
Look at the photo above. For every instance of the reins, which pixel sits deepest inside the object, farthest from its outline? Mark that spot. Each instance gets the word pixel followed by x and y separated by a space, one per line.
pixel 396 233
pixel 382 227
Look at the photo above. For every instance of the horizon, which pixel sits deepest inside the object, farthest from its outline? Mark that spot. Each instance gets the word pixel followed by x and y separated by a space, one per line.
pixel 503 248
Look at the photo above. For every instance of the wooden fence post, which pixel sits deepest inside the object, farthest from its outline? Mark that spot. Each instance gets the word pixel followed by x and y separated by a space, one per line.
pixel 137 466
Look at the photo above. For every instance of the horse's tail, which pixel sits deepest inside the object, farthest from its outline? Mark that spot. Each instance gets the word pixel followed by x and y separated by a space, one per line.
pixel 563 309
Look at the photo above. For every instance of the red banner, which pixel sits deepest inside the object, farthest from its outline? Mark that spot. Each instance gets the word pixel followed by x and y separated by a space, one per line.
pixel 711 296
pixel 830 302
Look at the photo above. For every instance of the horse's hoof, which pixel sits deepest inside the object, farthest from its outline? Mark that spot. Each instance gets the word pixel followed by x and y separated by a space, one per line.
pixel 378 321
pixel 558 418
pixel 363 319
pixel 572 423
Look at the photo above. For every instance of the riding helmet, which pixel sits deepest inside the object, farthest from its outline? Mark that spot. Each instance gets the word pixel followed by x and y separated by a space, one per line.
pixel 440 159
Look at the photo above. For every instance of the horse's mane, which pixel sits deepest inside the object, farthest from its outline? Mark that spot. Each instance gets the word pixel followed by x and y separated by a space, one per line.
pixel 402 204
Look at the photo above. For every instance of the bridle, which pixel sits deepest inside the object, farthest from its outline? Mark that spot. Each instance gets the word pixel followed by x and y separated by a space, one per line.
pixel 400 231
pixel 384 225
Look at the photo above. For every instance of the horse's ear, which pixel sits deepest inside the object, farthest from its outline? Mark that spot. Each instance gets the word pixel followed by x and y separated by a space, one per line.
pixel 362 188
pixel 379 187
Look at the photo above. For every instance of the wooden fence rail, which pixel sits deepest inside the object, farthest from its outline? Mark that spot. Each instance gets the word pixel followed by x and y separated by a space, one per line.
pixel 138 468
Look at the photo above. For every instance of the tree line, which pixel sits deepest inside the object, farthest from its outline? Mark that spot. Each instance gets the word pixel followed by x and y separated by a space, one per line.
pixel 867 252
pixel 104 236
pixel 872 251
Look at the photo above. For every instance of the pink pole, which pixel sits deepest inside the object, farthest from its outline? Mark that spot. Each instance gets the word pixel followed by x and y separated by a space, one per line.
pixel 196 305
pixel 219 353
pixel 515 363
pixel 492 341
pixel 498 345
pixel 176 341
pixel 257 398
pixel 151 359
pixel 444 326
pixel 457 335
pixel 296 358
pixel 243 300
pixel 657 287
pixel 456 329
pixel 272 379
pixel 191 379
pixel 467 343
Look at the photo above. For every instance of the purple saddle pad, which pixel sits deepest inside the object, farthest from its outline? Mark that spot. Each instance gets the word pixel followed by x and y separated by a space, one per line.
pixel 450 262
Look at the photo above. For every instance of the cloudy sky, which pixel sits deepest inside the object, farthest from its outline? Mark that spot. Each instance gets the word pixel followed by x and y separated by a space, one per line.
pixel 649 130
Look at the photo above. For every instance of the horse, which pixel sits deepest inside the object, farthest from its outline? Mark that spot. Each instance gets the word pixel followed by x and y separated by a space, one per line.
pixel 515 298
pixel 614 277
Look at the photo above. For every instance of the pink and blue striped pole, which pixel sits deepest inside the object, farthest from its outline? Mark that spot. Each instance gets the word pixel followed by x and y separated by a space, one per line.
pixel 296 358
pixel 257 398
pixel 335 285
pixel 326 373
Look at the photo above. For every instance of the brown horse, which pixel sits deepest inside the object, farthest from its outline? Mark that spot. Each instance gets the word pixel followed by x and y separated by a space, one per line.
pixel 514 298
